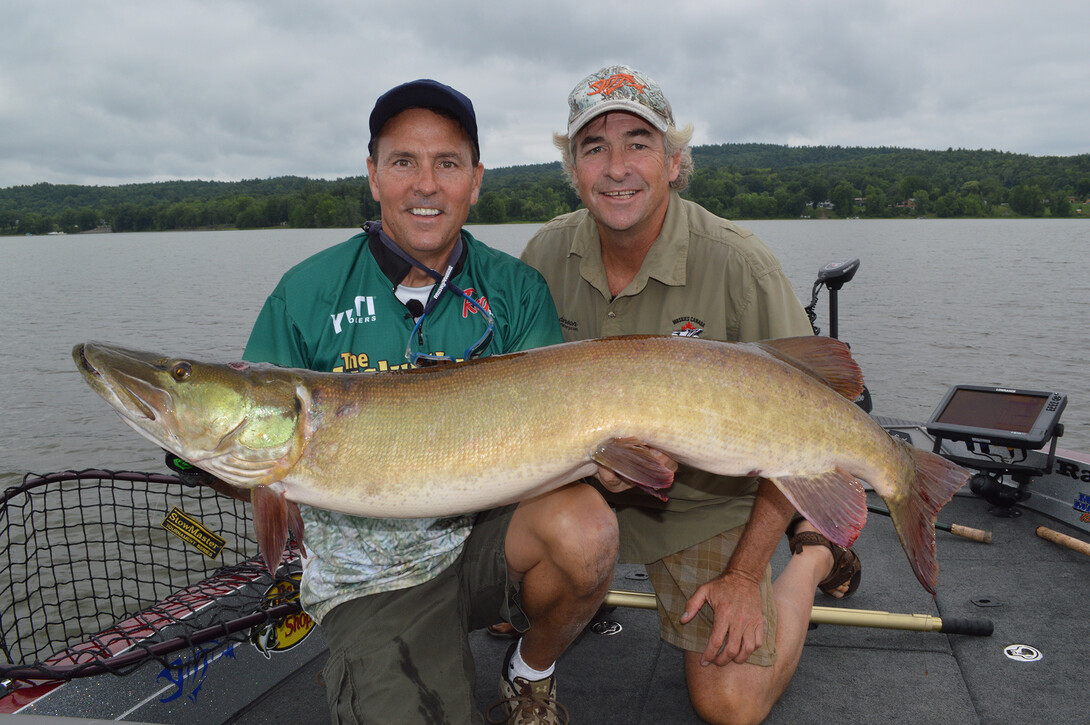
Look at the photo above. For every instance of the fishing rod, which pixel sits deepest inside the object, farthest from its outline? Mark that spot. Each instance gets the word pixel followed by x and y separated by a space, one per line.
pixel 965 532
pixel 840 615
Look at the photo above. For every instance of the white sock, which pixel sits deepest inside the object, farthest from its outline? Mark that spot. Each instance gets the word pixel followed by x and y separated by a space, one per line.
pixel 519 668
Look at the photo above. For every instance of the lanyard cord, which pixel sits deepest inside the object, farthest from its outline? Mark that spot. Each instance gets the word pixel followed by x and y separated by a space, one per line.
pixel 374 228
pixel 443 283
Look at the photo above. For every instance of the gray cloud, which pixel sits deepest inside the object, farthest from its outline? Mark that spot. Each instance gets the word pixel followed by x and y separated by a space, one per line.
pixel 121 91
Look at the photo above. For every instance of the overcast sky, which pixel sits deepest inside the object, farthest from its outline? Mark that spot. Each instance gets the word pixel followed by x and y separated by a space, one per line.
pixel 108 92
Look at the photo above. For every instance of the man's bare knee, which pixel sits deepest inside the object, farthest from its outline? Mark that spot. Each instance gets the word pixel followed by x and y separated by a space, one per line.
pixel 730 710
pixel 571 531
pixel 581 535
pixel 734 695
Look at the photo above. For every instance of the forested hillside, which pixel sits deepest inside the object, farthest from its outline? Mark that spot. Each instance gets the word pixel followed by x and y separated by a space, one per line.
pixel 738 181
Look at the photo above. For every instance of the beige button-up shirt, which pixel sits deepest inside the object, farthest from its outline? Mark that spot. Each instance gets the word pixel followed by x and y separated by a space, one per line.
pixel 703 277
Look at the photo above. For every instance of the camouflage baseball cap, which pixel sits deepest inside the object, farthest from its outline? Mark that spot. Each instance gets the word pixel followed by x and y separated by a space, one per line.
pixel 618 88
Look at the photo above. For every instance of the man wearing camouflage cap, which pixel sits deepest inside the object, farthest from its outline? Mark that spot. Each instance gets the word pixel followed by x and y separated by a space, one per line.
pixel 641 260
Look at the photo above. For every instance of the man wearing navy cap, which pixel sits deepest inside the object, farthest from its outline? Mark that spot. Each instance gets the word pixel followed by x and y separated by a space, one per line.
pixel 397 598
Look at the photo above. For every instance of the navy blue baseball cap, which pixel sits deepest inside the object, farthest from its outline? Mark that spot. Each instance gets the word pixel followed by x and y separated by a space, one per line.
pixel 423 93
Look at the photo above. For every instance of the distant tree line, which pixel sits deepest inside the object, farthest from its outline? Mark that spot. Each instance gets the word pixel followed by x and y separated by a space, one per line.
pixel 737 181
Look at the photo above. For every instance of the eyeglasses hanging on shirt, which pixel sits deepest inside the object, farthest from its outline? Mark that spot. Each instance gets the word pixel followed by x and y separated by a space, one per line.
pixel 443 283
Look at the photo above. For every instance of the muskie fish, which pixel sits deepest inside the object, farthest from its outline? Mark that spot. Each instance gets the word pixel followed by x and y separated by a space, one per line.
pixel 470 436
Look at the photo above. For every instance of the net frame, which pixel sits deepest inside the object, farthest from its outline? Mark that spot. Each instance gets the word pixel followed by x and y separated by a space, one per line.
pixel 97 585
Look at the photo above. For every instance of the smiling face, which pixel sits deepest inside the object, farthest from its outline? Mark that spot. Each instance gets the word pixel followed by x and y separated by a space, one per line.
pixel 623 175
pixel 422 174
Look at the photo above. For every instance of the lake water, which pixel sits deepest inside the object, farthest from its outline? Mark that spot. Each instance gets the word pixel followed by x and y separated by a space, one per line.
pixel 934 303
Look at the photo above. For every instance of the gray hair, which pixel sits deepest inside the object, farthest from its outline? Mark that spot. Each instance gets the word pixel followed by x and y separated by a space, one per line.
pixel 674 140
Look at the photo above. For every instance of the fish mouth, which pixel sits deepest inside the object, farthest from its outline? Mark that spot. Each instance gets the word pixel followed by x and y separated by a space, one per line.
pixel 131 396
pixel 85 364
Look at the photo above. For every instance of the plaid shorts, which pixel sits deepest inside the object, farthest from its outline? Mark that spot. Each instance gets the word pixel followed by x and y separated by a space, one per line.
pixel 677 577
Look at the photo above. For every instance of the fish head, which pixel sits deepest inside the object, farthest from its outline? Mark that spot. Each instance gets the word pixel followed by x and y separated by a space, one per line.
pixel 246 424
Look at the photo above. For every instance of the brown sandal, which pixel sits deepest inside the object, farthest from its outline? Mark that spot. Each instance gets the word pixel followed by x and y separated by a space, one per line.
pixel 846 564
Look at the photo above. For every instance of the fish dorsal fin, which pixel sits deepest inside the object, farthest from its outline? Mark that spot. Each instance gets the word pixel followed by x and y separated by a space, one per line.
pixel 834 502
pixel 635 463
pixel 826 359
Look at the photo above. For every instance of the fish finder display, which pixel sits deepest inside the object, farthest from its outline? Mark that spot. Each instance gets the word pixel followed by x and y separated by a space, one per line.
pixel 1003 416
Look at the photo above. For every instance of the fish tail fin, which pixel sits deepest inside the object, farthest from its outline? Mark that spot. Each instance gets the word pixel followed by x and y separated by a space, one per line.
pixel 271 523
pixel 934 482
pixel 825 359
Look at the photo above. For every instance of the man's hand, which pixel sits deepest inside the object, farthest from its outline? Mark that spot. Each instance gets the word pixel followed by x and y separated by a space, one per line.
pixel 199 477
pixel 611 481
pixel 738 626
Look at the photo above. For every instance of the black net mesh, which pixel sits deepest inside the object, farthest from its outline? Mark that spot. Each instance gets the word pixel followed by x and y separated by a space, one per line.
pixel 96 584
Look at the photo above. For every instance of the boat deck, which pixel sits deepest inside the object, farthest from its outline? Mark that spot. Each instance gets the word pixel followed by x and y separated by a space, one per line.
pixel 1034 591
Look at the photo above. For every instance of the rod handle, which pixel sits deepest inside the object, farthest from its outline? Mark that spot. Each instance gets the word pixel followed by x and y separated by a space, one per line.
pixel 1069 542
pixel 968 532
pixel 972 627
pixel 965 532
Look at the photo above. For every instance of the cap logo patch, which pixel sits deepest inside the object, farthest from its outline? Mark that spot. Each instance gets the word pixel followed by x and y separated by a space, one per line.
pixel 618 88
pixel 607 86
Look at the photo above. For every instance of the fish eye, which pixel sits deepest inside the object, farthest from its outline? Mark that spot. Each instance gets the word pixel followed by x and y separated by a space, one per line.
pixel 181 371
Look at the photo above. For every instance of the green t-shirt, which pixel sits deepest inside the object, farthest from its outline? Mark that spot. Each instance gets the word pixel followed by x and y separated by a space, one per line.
pixel 337 312
pixel 703 277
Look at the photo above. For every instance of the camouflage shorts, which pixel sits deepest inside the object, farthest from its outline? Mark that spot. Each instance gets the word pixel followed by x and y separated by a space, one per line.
pixel 403 656
pixel 677 577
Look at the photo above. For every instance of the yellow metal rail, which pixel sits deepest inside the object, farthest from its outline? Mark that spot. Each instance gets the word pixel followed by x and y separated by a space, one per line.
pixel 838 615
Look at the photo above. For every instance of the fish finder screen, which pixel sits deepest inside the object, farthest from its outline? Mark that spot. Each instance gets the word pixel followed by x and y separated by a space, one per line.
pixel 1005 416
pixel 988 409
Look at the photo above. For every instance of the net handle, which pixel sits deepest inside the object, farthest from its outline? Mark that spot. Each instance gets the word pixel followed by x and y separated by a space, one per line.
pixel 141 653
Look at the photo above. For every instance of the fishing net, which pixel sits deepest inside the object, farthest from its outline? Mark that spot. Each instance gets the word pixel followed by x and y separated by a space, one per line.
pixel 97 583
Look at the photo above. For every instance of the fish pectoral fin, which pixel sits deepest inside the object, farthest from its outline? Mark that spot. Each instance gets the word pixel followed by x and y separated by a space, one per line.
pixel 270 523
pixel 834 502
pixel 636 463
pixel 295 525
pixel 245 472
pixel 825 359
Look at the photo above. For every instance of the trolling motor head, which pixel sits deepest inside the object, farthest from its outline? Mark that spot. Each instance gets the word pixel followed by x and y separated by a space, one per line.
pixel 838 272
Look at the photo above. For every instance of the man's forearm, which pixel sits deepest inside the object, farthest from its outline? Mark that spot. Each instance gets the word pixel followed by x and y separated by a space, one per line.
pixel 767 522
